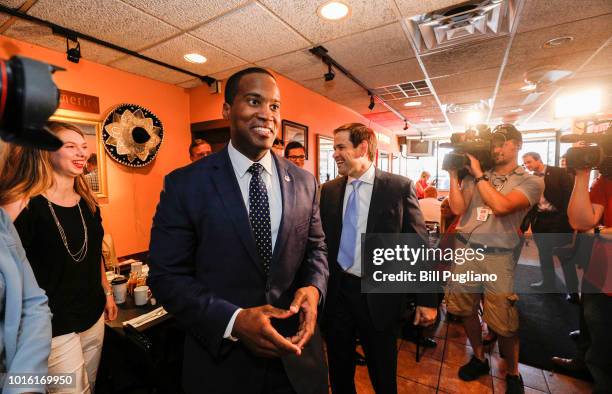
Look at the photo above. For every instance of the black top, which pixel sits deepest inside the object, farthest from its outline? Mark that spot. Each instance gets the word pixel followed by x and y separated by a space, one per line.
pixel 75 292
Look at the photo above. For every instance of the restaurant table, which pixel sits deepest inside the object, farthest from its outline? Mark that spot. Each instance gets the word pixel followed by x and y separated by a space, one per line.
pixel 145 361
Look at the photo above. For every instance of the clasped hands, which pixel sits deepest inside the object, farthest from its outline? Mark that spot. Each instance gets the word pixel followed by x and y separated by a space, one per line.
pixel 253 326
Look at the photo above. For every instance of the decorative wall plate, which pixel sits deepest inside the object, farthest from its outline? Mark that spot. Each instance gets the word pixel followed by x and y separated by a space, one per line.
pixel 132 135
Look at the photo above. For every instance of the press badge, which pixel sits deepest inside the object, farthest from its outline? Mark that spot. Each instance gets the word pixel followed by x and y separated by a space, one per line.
pixel 482 214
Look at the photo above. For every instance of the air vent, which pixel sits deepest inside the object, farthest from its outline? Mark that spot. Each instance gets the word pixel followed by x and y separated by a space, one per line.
pixel 458 25
pixel 403 90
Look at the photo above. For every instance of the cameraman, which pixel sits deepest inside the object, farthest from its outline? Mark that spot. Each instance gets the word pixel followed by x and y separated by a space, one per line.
pixel 586 211
pixel 492 205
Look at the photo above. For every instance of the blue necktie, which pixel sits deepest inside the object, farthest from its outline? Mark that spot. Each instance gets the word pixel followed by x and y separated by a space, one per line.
pixel 350 229
pixel 259 215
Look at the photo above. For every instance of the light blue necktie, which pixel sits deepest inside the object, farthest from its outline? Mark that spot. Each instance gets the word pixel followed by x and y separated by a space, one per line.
pixel 350 229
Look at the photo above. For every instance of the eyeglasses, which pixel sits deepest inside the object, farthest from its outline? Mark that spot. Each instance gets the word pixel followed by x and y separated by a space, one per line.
pixel 299 157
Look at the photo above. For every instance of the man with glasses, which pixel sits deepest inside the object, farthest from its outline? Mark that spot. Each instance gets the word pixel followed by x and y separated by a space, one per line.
pixel 492 205
pixel 295 153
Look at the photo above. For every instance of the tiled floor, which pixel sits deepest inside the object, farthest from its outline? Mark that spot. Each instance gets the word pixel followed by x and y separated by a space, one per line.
pixel 437 370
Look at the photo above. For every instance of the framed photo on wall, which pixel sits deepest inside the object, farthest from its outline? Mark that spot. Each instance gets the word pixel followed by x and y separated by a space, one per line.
pixel 93 135
pixel 293 131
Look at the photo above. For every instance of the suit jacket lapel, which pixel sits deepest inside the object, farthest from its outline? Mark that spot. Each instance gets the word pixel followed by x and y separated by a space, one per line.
pixel 287 187
pixel 226 183
pixel 375 201
pixel 337 206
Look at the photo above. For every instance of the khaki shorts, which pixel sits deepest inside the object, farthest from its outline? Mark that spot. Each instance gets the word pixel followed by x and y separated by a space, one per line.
pixel 500 312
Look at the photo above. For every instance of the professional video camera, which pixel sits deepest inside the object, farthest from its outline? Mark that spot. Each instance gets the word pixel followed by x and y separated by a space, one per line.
pixel 476 142
pixel 28 97
pixel 596 153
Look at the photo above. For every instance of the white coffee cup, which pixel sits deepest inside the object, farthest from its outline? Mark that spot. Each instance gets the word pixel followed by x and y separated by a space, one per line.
pixel 119 285
pixel 136 267
pixel 141 295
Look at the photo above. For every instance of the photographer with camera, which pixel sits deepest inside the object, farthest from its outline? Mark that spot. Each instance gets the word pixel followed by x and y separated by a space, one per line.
pixel 492 204
pixel 586 211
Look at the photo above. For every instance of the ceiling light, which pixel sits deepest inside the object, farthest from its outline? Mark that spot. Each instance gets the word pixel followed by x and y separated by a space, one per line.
pixel 333 10
pixel 371 106
pixel 73 54
pixel 412 104
pixel 195 58
pixel 528 87
pixel 516 110
pixel 558 41
pixel 329 75
pixel 473 117
pixel 405 125
pixel 578 104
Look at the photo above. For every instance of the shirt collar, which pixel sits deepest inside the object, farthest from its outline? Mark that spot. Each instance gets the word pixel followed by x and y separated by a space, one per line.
pixel 367 177
pixel 241 163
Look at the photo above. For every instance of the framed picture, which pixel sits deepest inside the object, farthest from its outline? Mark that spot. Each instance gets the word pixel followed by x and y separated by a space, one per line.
pixel 295 132
pixel 93 135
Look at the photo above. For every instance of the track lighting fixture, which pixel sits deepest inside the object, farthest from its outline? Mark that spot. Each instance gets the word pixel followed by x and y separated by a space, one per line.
pixel 371 106
pixel 329 75
pixel 421 140
pixel 405 125
pixel 73 54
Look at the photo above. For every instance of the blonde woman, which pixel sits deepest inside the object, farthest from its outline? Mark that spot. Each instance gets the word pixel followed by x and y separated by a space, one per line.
pixel 25 319
pixel 61 231
pixel 422 184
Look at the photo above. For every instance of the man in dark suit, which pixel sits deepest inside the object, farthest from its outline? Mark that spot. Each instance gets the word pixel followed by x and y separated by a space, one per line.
pixel 238 256
pixel 365 200
pixel 550 225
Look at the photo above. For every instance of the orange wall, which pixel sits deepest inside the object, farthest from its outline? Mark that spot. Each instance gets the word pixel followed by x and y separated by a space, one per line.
pixel 300 105
pixel 133 193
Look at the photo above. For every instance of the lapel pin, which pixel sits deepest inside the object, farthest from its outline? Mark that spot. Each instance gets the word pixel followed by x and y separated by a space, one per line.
pixel 287 178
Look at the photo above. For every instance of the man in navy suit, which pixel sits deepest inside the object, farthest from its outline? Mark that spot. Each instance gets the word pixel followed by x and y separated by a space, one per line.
pixel 382 203
pixel 238 256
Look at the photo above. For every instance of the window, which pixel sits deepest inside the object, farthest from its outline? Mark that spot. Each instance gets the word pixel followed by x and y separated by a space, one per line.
pixel 412 167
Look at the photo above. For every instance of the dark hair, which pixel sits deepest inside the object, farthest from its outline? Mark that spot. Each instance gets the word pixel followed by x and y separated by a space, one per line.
pixel 293 145
pixel 93 159
pixel 232 84
pixel 358 133
pixel 195 143
pixel 534 155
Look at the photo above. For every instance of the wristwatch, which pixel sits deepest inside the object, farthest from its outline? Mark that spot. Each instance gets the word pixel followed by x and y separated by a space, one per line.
pixel 480 178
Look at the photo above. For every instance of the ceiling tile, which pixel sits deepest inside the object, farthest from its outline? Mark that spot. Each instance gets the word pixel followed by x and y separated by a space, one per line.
pixel 252 33
pixel 358 103
pixel 340 88
pixel 10 4
pixel 193 83
pixel 478 56
pixel 588 35
pixel 109 20
pixel 466 81
pixel 185 14
pixel 172 52
pixel 42 35
pixel 298 66
pixel 390 74
pixel 225 74
pixel 410 8
pixel 302 15
pixel 603 60
pixel 539 14
pixel 467 96
pixel 514 73
pixel 150 70
pixel 386 44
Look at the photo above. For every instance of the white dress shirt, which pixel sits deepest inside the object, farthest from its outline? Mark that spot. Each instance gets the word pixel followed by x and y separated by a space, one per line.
pixel 365 196
pixel 241 164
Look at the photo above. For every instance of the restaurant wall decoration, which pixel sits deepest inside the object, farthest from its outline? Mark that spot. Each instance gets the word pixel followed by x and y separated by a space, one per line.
pixel 132 135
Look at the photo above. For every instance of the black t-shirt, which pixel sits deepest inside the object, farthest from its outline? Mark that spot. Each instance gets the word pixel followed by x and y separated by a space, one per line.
pixel 76 296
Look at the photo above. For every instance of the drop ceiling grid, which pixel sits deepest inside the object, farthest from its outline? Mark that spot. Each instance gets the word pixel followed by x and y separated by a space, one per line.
pixel 186 14
pixel 247 33
pixel 172 52
pixel 110 20
pixel 537 14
